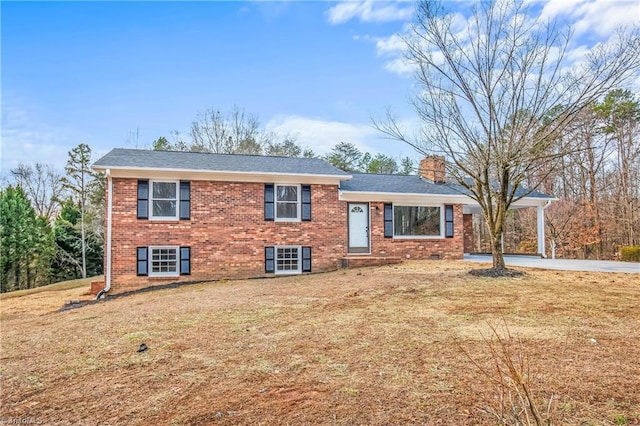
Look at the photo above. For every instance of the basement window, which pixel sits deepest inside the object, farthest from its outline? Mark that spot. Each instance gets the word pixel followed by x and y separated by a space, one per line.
pixel 163 261
pixel 288 260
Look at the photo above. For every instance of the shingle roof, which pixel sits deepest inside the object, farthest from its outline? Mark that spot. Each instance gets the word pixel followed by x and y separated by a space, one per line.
pixel 139 158
pixel 410 184
pixel 401 184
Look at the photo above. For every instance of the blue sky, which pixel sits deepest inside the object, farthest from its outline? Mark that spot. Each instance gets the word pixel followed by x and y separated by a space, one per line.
pixel 121 74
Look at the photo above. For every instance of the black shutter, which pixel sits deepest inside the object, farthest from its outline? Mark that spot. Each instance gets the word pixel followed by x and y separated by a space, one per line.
pixel 448 221
pixel 268 202
pixel 306 259
pixel 388 220
pixel 269 260
pixel 185 260
pixel 143 199
pixel 306 202
pixel 185 200
pixel 142 261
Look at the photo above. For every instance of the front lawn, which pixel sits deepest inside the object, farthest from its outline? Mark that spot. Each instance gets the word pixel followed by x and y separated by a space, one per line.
pixel 387 345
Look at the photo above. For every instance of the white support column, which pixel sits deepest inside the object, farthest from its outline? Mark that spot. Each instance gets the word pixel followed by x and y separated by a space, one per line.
pixel 541 246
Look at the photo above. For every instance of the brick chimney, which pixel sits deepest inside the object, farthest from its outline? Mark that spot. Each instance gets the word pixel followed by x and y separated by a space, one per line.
pixel 432 168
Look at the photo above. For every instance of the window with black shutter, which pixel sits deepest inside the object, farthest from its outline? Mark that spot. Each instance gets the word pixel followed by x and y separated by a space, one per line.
pixel 185 260
pixel 448 221
pixel 269 211
pixel 185 200
pixel 142 258
pixel 388 220
pixel 143 199
pixel 306 202
pixel 269 260
pixel 306 259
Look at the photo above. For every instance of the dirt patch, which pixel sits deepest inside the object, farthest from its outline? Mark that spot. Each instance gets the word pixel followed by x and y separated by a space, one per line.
pixel 379 345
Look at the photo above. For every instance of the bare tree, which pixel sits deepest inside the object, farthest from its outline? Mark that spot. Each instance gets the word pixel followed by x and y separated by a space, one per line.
pixel 620 112
pixel 43 185
pixel 234 133
pixel 495 90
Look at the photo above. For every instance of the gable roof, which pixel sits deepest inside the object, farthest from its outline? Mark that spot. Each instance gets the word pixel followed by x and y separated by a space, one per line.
pixel 412 184
pixel 120 158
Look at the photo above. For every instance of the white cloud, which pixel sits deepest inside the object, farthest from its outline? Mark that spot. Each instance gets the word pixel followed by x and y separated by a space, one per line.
pixel 601 17
pixel 369 11
pixel 322 135
pixel 400 66
pixel 26 140
pixel 390 45
pixel 593 21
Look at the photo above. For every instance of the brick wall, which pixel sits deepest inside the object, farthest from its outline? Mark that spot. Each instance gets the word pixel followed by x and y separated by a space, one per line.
pixel 423 248
pixel 227 232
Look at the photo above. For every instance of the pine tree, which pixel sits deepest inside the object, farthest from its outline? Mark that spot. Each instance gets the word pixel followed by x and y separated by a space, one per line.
pixel 79 180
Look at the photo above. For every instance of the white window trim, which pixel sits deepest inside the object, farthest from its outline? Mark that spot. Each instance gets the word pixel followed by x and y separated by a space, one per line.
pixel 150 262
pixel 418 237
pixel 151 215
pixel 275 261
pixel 298 204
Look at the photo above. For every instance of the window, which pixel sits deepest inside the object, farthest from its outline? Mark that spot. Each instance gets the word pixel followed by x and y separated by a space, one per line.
pixel 287 259
pixel 417 221
pixel 287 202
pixel 164 200
pixel 163 261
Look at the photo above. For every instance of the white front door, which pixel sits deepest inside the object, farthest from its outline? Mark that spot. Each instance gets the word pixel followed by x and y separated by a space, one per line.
pixel 358 227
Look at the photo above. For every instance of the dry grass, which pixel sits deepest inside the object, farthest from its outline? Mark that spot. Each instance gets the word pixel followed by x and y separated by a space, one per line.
pixel 369 346
pixel 83 283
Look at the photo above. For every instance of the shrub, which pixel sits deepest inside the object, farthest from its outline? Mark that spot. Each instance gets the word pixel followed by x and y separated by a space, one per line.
pixel 630 253
pixel 517 402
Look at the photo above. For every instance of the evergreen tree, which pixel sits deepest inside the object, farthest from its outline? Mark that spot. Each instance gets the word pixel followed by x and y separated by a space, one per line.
pixel 26 243
pixel 79 180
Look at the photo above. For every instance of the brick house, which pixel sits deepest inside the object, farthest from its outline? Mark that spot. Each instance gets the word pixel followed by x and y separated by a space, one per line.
pixel 178 216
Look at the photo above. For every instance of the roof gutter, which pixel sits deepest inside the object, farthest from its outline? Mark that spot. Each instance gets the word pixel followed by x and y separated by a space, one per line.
pixel 107 274
pixel 131 171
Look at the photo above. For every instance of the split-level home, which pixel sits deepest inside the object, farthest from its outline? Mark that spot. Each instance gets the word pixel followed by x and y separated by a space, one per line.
pixel 180 216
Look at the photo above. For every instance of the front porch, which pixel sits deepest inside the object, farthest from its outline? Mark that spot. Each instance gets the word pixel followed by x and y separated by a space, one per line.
pixel 524 230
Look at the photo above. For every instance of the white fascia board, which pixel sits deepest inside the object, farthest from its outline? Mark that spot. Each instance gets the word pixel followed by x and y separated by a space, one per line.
pixel 532 202
pixel 398 197
pixel 223 176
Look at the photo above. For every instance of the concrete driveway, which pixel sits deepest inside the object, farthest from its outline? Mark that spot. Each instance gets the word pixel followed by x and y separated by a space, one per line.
pixel 561 264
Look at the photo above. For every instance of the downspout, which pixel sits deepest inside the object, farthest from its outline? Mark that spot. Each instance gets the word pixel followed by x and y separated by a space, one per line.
pixel 107 272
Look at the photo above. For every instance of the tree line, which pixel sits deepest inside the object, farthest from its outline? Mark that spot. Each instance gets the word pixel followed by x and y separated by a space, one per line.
pixel 51 225
pixel 239 132
pixel 597 182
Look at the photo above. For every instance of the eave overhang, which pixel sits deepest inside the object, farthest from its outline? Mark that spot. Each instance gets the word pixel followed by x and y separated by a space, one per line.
pixel 222 176
pixel 418 199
